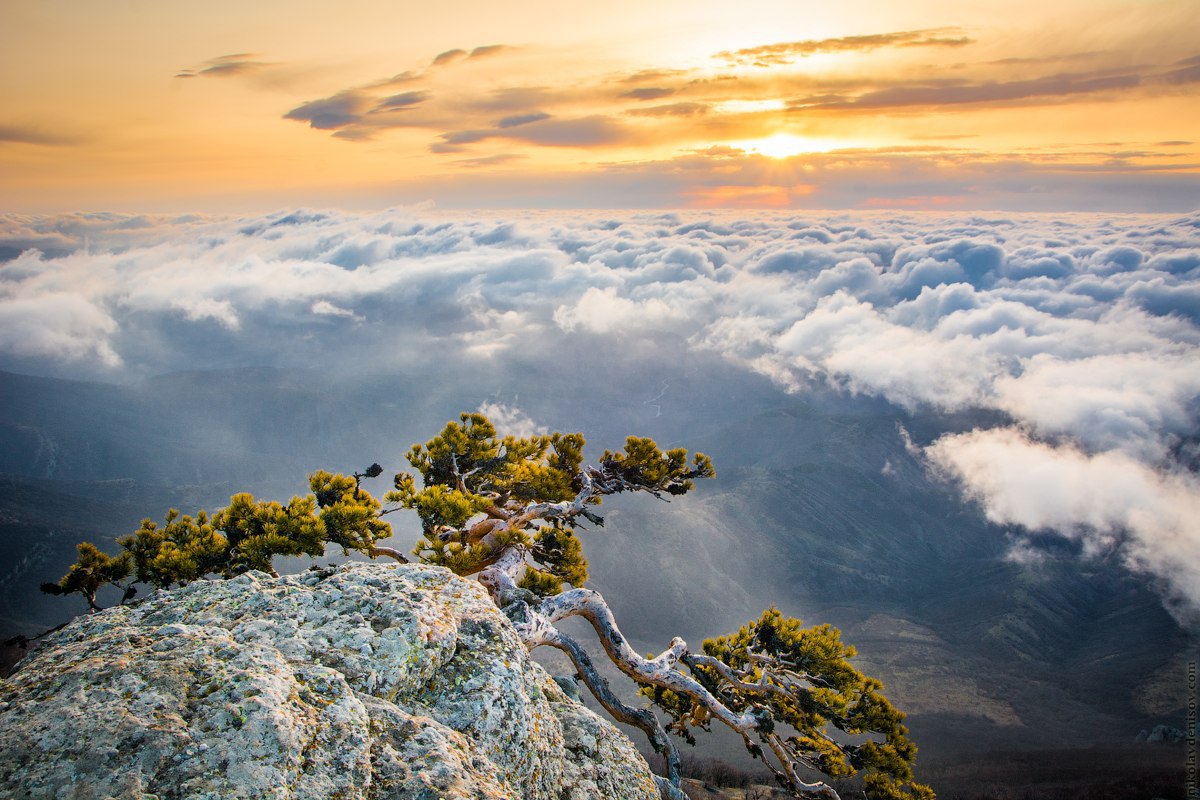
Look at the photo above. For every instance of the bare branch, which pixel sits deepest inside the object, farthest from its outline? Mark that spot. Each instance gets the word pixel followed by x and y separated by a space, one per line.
pixel 377 551
pixel 638 717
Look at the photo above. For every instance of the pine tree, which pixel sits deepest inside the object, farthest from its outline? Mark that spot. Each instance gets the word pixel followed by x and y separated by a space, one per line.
pixel 510 510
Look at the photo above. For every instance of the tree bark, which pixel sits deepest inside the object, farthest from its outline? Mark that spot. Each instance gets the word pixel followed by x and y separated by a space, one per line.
pixel 534 623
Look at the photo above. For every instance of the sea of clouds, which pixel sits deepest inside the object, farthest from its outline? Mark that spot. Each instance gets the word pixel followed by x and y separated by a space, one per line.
pixel 1080 333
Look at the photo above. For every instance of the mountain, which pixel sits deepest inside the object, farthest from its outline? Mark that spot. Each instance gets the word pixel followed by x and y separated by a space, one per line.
pixel 822 506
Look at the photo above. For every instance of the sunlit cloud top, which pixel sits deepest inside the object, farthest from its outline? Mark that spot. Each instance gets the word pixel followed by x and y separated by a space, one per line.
pixel 1074 106
pixel 1077 336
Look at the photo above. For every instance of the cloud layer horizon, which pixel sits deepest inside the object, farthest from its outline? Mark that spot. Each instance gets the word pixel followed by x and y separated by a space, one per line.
pixel 1080 333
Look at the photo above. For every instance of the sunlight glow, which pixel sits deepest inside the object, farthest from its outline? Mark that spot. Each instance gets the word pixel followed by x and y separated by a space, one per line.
pixel 786 145
pixel 748 106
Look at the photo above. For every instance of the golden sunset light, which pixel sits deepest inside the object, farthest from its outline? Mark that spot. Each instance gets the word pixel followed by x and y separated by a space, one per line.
pixel 786 145
pixel 235 106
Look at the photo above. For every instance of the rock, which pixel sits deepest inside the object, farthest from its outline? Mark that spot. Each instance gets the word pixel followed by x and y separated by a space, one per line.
pixel 370 681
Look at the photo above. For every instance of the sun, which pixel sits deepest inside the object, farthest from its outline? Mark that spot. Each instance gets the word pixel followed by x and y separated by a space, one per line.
pixel 786 145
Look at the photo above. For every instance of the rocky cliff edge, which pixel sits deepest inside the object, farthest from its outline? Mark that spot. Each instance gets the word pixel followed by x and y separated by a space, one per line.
pixel 368 681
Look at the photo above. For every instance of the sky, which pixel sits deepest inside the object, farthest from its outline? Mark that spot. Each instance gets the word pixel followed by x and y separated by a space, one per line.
pixel 226 106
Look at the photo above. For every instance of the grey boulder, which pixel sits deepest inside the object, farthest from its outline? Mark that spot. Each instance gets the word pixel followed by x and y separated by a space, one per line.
pixel 369 681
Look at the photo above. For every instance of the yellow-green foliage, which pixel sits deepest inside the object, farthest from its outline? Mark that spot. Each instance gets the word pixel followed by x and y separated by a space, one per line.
pixel 257 530
pixel 561 553
pixel 823 689
pixel 469 477
pixel 350 515
pixel 540 583
pixel 182 550
pixel 643 463
pixel 245 535
pixel 468 474
pixel 94 569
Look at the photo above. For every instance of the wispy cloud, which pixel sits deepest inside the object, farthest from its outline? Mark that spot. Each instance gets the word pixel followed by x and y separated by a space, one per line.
pixel 451 56
pixel 32 134
pixel 491 161
pixel 228 66
pixel 361 112
pixel 542 130
pixel 672 110
pixel 949 92
pixel 648 93
pixel 772 55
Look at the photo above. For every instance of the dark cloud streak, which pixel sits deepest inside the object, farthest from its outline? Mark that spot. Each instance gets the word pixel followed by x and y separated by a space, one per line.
pixel 22 134
pixel 545 131
pixel 402 101
pixel 488 50
pixel 332 113
pixel 228 66
pixel 522 119
pixel 649 93
pixel 449 57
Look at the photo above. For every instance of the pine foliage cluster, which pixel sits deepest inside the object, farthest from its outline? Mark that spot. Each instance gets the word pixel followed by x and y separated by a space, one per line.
pixel 246 535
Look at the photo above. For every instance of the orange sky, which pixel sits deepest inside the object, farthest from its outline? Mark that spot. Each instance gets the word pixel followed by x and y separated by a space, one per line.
pixel 140 105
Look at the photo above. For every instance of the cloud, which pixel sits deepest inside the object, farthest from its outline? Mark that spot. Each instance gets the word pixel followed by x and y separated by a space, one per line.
pixel 671 110
pixel 361 112
pixel 219 311
pixel 653 75
pixel 57 326
pixel 545 131
pixel 461 99
pixel 52 321
pixel 787 52
pixel 582 132
pixel 484 51
pixel 522 119
pixel 449 57
pixel 949 91
pixel 511 421
pixel 1112 401
pixel 648 93
pixel 949 94
pixel 324 308
pixel 1108 501
pixel 1070 341
pixel 401 101
pixel 1184 71
pixel 491 161
pixel 225 67
pixel 906 178
pixel 331 113
pixel 22 134
pixel 605 311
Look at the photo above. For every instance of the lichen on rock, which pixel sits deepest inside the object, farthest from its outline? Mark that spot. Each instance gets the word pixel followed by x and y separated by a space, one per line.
pixel 368 681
